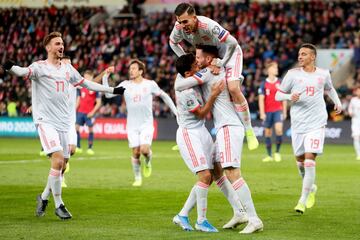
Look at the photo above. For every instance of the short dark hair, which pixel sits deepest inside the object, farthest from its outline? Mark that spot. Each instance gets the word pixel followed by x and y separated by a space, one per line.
pixel 209 49
pixel 140 64
pixel 184 7
pixel 89 72
pixel 184 63
pixel 50 36
pixel 309 46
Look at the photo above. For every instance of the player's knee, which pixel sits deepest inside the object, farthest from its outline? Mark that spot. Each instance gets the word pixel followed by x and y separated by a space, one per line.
pixel 145 151
pixel 205 177
pixel 57 161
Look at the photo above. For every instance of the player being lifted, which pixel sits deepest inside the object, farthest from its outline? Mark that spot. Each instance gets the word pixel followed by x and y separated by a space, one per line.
pixel 272 112
pixel 51 112
pixel 195 144
pixel 140 129
pixel 354 111
pixel 304 87
pixel 202 30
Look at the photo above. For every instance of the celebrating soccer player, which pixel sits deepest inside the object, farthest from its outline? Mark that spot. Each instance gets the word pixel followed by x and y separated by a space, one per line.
pixel 51 112
pixel 202 30
pixel 140 129
pixel 304 87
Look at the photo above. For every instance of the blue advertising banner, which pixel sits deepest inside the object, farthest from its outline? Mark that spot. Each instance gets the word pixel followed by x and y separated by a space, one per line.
pixel 17 127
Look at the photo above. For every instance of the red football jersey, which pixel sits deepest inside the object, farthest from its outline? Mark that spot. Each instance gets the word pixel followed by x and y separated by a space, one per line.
pixel 269 90
pixel 87 100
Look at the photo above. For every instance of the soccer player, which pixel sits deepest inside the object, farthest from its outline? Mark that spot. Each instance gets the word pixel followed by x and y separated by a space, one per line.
pixel 202 30
pixel 229 139
pixel 87 104
pixel 51 113
pixel 305 87
pixel 354 111
pixel 195 144
pixel 272 112
pixel 140 129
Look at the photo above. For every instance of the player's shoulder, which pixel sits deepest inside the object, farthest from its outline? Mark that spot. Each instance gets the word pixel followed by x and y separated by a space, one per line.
pixel 204 22
pixel 203 73
pixel 323 71
pixel 39 63
pixel 295 70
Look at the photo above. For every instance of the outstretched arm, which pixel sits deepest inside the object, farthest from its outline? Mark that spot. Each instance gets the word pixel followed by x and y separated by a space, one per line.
pixel 99 77
pixel 167 100
pixel 105 82
pixel 100 88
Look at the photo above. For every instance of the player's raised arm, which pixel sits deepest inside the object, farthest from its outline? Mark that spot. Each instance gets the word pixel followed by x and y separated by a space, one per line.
pixel 109 70
pixel 105 82
pixel 168 101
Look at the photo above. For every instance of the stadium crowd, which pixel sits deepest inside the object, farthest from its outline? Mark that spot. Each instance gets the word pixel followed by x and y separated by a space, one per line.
pixel 266 31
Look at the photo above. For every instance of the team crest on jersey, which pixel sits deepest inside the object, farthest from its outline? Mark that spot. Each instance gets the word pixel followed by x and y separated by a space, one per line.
pixel 320 80
pixel 189 103
pixel 203 70
pixel 67 76
pixel 216 30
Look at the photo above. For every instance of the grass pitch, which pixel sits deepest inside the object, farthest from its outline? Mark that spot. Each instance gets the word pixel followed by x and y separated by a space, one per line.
pixel 105 205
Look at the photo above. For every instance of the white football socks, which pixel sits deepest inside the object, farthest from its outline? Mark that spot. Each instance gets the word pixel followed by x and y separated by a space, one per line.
pixel 226 188
pixel 309 179
pixel 201 200
pixel 244 194
pixel 189 204
pixel 136 168
pixel 55 185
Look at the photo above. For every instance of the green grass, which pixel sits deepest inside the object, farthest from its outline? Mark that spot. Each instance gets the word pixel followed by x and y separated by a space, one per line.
pixel 105 206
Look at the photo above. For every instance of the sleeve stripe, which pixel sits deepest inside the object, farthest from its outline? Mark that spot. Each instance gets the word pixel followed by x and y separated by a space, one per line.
pixel 194 109
pixel 281 91
pixel 29 74
pixel 173 42
pixel 79 83
pixel 223 39
pixel 200 81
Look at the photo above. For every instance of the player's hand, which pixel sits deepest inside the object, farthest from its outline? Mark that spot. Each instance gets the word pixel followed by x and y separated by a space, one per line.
pixel 284 115
pixel 90 115
pixel 29 110
pixel 337 109
pixel 214 69
pixel 217 88
pixel 262 116
pixel 295 97
pixel 8 65
pixel 119 90
pixel 110 70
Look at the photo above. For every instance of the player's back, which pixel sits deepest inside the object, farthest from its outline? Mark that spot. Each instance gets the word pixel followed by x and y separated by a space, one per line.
pixel 188 101
pixel 223 109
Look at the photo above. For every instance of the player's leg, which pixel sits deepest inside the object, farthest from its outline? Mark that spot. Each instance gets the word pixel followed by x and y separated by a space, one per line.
pixel 146 136
pixel 279 134
pixel 227 189
pixel 355 132
pixel 313 145
pixel 53 146
pixel 134 144
pixel 202 187
pixel 90 124
pixel 234 78
pixel 356 140
pixel 230 142
pixel 79 122
pixel 268 135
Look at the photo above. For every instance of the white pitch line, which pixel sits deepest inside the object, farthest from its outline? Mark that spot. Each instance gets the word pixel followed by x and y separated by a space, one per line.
pixel 249 155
